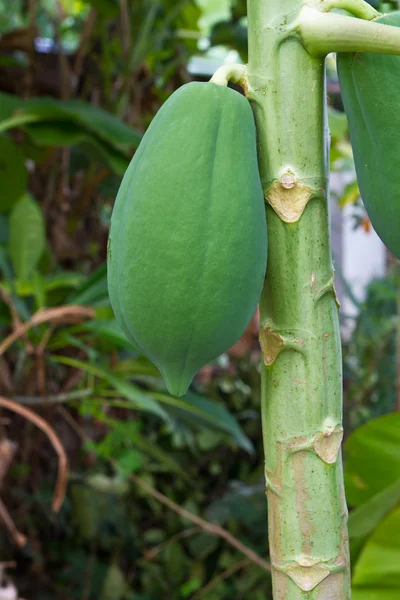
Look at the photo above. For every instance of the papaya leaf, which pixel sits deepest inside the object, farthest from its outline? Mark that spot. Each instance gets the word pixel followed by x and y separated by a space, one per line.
pixel 27 237
pixel 372 459
pixel 56 133
pixel 364 519
pixel 106 125
pixel 56 122
pixel 18 121
pixel 90 118
pixel 65 133
pixel 377 572
pixel 8 105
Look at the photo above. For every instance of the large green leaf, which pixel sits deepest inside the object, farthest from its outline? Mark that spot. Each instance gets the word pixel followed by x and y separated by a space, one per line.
pixel 372 459
pixel 67 133
pixel 367 517
pixel 56 133
pixel 106 125
pixel 364 519
pixel 103 152
pixel 8 105
pixel 13 175
pixel 27 237
pixel 377 572
pixel 89 118
pixel 71 122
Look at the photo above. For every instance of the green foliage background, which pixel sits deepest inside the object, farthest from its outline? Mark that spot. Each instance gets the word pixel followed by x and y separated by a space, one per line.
pixel 73 108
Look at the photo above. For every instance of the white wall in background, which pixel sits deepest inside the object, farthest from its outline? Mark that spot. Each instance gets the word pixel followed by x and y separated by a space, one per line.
pixel 361 256
pixel 364 258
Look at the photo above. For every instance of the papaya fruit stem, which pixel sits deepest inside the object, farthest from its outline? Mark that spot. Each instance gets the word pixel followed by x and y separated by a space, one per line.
pixel 234 73
pixel 301 391
pixel 358 8
pixel 323 32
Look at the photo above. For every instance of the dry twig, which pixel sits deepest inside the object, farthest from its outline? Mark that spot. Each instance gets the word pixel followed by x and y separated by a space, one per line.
pixel 7 452
pixel 204 525
pixel 62 477
pixel 17 536
pixel 63 314
pixel 210 528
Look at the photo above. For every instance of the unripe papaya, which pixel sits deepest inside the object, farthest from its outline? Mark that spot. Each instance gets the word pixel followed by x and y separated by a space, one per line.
pixel 188 239
pixel 370 86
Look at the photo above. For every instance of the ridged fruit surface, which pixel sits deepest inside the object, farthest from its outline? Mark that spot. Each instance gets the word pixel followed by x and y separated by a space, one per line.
pixel 188 240
pixel 370 86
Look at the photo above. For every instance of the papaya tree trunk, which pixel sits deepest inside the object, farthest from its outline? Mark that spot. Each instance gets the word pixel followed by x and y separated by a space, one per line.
pixel 300 337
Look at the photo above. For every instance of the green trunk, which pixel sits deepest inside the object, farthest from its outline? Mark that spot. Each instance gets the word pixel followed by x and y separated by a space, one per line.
pixel 300 338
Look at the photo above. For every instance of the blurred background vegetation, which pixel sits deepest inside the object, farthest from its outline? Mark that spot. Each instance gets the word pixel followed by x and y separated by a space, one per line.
pixel 164 496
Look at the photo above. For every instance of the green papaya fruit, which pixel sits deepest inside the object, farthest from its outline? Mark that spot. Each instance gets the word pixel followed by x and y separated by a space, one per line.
pixel 188 239
pixel 370 86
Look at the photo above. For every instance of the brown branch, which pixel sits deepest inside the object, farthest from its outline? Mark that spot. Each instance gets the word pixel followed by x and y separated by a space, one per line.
pixel 40 359
pixel 62 477
pixel 41 348
pixel 210 528
pixel 62 314
pixel 5 376
pixel 204 525
pixel 7 453
pixel 17 536
pixel 65 75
